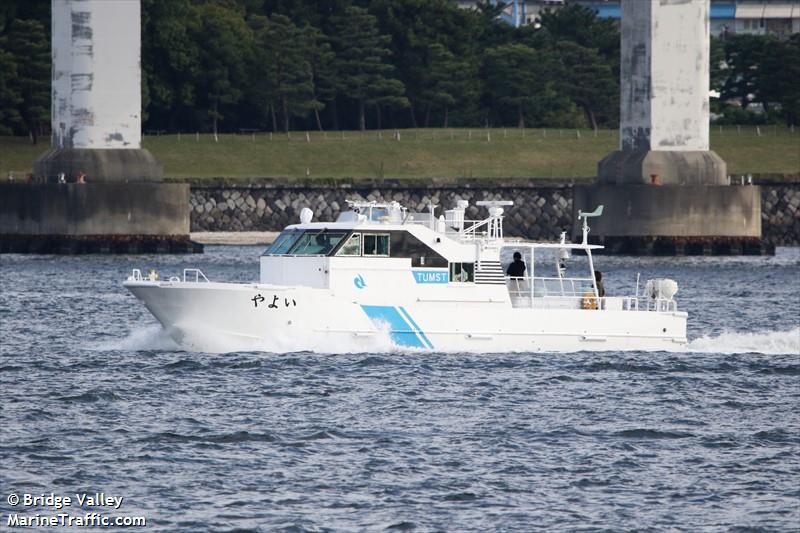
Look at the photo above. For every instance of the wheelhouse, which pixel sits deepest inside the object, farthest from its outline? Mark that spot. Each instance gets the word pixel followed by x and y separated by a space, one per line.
pixel 364 243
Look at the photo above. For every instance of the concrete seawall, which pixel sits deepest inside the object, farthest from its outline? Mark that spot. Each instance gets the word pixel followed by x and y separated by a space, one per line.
pixel 95 218
pixel 542 209
pixel 151 217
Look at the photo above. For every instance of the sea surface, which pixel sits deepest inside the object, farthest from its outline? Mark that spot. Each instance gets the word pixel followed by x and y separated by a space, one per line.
pixel 95 399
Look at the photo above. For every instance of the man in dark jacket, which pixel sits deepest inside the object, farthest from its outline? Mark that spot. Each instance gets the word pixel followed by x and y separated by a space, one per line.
pixel 517 268
pixel 598 277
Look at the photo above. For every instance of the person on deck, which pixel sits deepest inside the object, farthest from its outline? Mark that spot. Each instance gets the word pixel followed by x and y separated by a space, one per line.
pixel 598 278
pixel 517 268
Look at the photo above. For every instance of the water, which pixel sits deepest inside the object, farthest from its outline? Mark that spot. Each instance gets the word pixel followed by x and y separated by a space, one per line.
pixel 96 399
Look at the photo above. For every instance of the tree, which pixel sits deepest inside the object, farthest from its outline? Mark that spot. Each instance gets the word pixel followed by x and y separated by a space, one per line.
pixel 779 77
pixel 227 44
pixel 417 25
pixel 28 46
pixel 287 50
pixel 10 99
pixel 170 62
pixel 718 71
pixel 448 81
pixel 586 79
pixel 581 25
pixel 323 69
pixel 361 62
pixel 511 78
pixel 744 54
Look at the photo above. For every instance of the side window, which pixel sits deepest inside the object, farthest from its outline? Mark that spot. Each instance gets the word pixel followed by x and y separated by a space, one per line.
pixel 376 244
pixel 352 246
pixel 462 272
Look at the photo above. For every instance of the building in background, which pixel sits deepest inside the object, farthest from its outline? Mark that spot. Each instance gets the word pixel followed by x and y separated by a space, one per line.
pixel 776 17
pixel 757 17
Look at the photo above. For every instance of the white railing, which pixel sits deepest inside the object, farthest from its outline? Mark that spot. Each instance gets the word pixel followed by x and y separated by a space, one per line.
pixel 471 227
pixel 470 230
pixel 659 304
pixel 198 274
pixel 577 293
pixel 189 275
pixel 544 287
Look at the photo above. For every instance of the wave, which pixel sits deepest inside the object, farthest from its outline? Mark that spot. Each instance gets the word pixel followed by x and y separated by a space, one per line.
pixel 734 342
pixel 154 337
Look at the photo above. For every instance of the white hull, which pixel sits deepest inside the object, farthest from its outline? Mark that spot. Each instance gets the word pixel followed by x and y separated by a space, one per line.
pixel 225 317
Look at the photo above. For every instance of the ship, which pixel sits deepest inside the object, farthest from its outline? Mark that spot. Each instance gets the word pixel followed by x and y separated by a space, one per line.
pixel 380 277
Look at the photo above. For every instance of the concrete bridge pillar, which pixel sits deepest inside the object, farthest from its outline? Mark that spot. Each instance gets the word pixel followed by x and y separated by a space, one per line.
pixel 96 104
pixel 664 89
pixel 664 190
pixel 96 120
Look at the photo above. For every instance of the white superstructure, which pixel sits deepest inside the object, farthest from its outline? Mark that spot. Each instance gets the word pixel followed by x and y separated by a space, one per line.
pixel 426 282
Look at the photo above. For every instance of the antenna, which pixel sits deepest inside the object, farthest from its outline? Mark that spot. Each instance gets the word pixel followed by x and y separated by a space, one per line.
pixel 492 205
pixel 596 213
pixel 495 208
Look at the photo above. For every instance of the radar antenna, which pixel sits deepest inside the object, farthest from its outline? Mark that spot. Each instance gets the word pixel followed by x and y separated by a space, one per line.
pixel 585 216
pixel 495 208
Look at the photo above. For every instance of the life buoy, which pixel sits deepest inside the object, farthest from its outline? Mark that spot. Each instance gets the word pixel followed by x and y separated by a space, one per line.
pixel 588 301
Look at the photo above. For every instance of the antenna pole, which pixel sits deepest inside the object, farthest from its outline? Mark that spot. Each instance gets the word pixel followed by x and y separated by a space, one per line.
pixel 585 228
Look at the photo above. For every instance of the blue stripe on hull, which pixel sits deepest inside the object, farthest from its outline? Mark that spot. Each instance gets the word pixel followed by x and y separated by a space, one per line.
pixel 401 332
pixel 414 325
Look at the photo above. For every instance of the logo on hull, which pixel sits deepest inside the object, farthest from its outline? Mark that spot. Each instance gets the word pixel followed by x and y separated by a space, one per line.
pixel 359 282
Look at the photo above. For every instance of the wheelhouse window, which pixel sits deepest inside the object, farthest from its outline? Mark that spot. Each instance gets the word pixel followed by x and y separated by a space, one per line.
pixel 283 243
pixel 352 246
pixel 462 272
pixel 314 243
pixel 376 244
pixel 404 244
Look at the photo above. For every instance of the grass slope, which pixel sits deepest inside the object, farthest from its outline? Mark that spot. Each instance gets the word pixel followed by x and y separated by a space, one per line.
pixel 422 153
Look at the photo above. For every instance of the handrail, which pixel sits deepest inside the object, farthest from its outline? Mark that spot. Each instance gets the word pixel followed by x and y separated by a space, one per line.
pixel 197 275
pixel 136 275
pixel 519 288
pixel 494 229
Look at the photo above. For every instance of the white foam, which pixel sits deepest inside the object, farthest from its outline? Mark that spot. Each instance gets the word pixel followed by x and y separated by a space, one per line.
pixel 152 337
pixel 155 338
pixel 283 342
pixel 766 342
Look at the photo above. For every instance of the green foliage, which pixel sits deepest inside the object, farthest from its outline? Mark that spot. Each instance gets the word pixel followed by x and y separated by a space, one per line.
pixel 284 51
pixel 317 64
pixel 223 58
pixel 580 25
pixel 448 82
pixel 586 79
pixel 10 97
pixel 761 69
pixel 743 55
pixel 415 27
pixel 323 73
pixel 780 78
pixel 362 63
pixel 170 61
pixel 25 46
pixel 516 77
